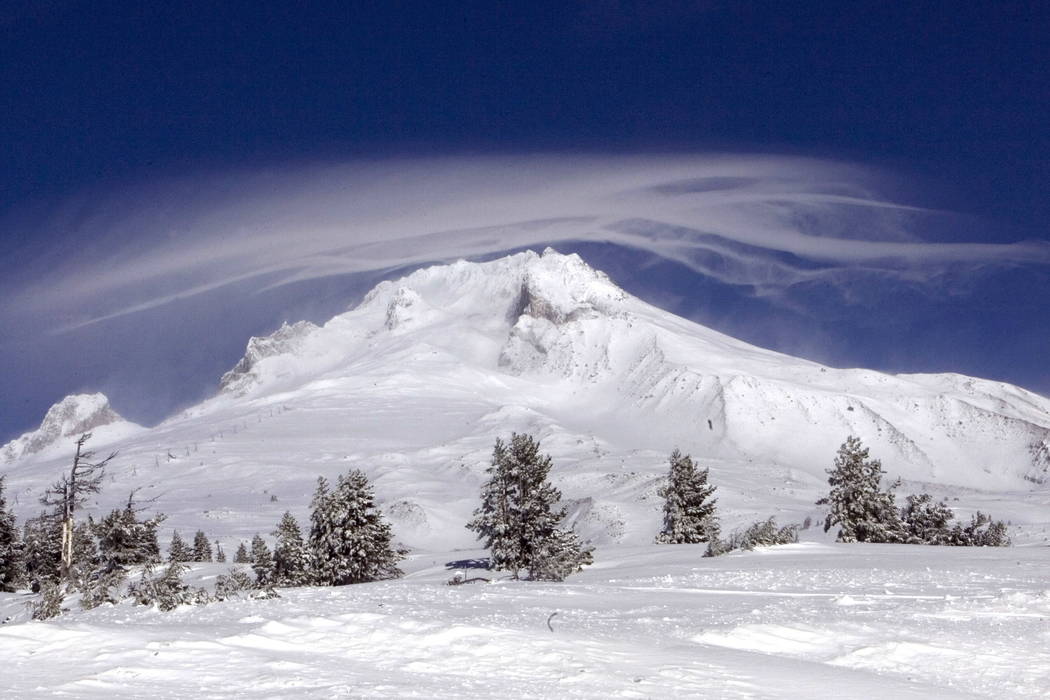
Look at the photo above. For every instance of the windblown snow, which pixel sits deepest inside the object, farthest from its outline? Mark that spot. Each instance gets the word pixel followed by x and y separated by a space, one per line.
pixel 413 386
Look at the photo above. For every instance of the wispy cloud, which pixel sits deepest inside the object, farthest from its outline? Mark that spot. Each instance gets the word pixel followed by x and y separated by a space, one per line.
pixel 766 222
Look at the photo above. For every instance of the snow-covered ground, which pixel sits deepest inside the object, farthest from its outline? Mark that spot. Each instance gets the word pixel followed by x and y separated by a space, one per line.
pixel 811 620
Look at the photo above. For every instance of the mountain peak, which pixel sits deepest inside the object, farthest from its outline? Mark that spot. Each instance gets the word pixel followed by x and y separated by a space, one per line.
pixel 73 415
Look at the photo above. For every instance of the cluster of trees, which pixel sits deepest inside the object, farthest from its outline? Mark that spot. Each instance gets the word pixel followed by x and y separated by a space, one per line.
pixel 519 521
pixel 348 542
pixel 864 511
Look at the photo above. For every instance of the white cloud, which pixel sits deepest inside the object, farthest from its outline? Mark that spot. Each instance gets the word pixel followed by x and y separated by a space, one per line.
pixel 769 222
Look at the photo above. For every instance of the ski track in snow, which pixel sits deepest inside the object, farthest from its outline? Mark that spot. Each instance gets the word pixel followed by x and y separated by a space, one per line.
pixel 807 620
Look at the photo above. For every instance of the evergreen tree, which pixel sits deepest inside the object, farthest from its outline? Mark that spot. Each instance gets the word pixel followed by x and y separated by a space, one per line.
pixel 177 550
pixel 241 555
pixel 350 542
pixel 85 555
pixel 561 555
pixel 220 556
pixel 167 591
pixel 926 522
pixel 262 561
pixel 291 558
pixel 42 550
pixel 124 540
pixel 12 566
pixel 201 547
pixel 981 532
pixel 858 505
pixel 689 509
pixel 518 519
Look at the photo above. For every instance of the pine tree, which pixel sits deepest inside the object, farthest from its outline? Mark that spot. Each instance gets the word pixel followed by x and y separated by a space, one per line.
pixel 12 566
pixel 167 591
pixel 926 522
pixel 689 509
pixel 262 561
pixel 350 542
pixel 858 505
pixel 220 556
pixel 518 519
pixel 241 555
pixel 42 550
pixel 291 558
pixel 201 547
pixel 124 540
pixel 177 550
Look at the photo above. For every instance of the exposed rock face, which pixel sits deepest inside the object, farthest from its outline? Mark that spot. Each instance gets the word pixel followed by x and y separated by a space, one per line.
pixel 285 340
pixel 73 415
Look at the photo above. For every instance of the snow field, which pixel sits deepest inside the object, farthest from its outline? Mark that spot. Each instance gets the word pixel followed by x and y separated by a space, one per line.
pixel 799 621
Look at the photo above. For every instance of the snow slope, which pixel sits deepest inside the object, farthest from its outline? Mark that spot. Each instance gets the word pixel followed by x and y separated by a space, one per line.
pixel 415 383
pixel 800 621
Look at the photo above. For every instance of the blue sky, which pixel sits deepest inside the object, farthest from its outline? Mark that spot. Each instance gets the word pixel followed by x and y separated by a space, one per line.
pixel 862 183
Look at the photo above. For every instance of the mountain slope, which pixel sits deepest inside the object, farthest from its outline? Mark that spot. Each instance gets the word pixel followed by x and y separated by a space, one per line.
pixel 415 383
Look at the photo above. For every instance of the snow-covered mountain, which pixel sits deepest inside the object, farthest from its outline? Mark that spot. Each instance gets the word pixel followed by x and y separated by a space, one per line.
pixel 415 383
pixel 69 418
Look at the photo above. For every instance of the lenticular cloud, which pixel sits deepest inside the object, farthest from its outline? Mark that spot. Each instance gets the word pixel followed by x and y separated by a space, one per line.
pixel 764 222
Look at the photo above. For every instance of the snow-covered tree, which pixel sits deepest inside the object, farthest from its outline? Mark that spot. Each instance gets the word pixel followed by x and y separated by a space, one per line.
pixel 241 555
pixel 518 518
pixel 125 540
pixel 42 550
pixel 860 507
pixel 291 558
pixel 262 561
pixel 167 591
pixel 926 521
pixel 561 555
pixel 12 567
pixel 689 508
pixel 201 547
pixel 220 556
pixel 350 541
pixel 177 550
pixel 981 532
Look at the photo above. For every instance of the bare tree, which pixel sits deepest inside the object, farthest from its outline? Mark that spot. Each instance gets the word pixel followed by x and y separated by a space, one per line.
pixel 70 492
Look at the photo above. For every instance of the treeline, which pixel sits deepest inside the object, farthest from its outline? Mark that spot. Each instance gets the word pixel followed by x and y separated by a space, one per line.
pixel 520 521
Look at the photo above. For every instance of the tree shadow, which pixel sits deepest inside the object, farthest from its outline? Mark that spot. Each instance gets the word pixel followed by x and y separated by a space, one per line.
pixel 468 564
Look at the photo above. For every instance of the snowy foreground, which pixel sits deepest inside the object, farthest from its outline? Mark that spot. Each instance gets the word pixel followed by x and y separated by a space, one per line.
pixel 811 620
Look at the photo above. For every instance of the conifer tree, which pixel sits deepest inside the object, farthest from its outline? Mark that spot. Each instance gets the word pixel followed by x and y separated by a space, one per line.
pixel 689 509
pixel 925 521
pixel 12 567
pixel 125 540
pixel 241 555
pixel 177 550
pixel 518 518
pixel 350 541
pixel 262 561
pixel 201 547
pixel 42 550
pixel 220 556
pixel 291 558
pixel 858 505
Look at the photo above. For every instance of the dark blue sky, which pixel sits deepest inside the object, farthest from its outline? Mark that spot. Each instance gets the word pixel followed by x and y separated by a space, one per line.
pixel 953 96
